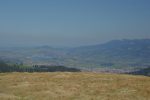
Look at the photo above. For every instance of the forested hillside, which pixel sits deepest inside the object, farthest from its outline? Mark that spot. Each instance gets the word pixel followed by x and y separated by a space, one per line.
pixel 4 67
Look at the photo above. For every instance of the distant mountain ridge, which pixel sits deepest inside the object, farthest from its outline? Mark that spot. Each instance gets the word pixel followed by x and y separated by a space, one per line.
pixel 114 54
pixel 128 52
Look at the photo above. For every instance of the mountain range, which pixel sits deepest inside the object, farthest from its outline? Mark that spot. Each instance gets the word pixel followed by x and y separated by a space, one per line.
pixel 116 54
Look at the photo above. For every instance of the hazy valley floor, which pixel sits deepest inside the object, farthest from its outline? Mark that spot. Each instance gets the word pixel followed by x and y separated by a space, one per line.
pixel 73 86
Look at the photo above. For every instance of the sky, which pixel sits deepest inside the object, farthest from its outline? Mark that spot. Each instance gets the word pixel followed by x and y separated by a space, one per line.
pixel 72 23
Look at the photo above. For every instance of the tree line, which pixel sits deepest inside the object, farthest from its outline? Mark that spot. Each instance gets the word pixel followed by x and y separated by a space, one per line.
pixel 4 67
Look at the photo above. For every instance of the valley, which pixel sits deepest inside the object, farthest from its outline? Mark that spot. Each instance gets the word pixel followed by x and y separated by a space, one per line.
pixel 117 56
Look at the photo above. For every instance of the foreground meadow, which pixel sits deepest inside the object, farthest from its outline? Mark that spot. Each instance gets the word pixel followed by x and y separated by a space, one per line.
pixel 73 86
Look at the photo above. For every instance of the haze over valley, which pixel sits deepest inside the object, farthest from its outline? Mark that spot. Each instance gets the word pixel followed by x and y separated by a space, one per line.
pixel 122 55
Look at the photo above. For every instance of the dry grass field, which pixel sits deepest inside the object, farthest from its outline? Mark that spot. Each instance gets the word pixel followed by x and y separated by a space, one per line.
pixel 73 86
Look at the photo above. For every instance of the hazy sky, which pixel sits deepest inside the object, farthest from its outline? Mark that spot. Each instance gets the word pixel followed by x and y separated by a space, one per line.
pixel 72 22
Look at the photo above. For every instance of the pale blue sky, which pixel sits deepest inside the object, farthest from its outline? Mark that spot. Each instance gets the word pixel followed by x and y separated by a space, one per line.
pixel 72 22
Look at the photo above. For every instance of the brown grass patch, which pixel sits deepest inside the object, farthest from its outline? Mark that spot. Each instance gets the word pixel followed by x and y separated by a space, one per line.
pixel 73 86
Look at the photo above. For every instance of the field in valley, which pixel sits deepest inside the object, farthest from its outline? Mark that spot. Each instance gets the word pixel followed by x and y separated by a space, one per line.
pixel 73 86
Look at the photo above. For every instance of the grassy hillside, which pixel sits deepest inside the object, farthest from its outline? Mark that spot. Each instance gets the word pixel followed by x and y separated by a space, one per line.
pixel 73 86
